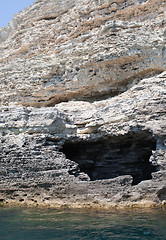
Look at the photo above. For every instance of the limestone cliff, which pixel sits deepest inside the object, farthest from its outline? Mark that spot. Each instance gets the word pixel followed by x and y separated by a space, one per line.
pixel 82 116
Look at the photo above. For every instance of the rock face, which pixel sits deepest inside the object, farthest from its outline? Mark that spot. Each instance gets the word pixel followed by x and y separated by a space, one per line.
pixel 82 116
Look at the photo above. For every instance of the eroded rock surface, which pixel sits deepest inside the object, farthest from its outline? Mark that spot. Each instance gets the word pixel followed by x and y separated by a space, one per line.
pixel 83 104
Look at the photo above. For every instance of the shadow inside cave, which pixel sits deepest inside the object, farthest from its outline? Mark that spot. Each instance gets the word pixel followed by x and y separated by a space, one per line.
pixel 115 156
pixel 162 194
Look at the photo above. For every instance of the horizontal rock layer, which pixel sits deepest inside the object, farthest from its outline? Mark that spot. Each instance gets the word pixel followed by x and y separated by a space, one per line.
pixel 58 51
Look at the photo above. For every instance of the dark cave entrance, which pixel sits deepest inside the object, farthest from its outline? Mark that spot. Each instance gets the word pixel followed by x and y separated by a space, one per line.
pixel 115 156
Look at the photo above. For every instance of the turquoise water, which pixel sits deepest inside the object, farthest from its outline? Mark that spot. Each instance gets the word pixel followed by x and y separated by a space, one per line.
pixel 37 224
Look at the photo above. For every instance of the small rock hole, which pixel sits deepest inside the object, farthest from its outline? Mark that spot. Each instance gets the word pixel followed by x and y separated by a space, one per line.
pixel 162 194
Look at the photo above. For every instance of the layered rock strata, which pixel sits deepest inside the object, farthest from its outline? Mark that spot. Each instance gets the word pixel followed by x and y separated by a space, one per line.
pixel 56 51
pixel 82 116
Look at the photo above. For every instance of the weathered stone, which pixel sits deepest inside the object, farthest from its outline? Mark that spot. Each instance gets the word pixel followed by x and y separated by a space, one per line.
pixel 83 96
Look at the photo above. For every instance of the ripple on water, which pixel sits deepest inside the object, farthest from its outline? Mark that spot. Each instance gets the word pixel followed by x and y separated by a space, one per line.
pixel 34 224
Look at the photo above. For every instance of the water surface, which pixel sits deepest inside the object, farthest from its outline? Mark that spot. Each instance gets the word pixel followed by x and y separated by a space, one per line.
pixel 37 224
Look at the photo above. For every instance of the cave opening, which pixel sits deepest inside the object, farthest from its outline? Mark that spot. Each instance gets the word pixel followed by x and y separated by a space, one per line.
pixel 115 156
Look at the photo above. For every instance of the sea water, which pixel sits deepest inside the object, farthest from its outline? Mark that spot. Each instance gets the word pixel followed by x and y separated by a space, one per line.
pixel 39 224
